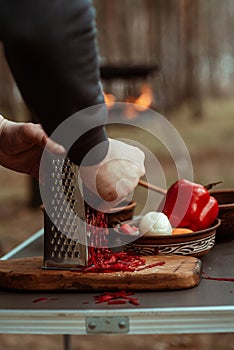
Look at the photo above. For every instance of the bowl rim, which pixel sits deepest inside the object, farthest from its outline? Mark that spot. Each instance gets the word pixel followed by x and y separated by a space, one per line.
pixel 117 209
pixel 214 226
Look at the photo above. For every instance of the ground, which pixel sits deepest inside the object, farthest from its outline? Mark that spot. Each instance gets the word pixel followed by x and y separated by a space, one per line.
pixel 210 143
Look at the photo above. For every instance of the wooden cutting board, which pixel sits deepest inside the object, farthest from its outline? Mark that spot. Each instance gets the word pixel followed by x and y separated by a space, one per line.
pixel 177 272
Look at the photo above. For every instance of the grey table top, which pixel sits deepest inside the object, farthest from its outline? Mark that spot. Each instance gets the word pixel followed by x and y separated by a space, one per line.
pixel 209 307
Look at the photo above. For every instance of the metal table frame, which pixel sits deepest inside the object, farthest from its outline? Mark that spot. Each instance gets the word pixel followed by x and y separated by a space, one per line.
pixel 207 308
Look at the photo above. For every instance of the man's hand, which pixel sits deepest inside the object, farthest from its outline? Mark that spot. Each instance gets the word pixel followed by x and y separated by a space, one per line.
pixel 116 176
pixel 22 144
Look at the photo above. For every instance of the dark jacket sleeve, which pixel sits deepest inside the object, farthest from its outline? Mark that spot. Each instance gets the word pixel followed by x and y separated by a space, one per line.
pixel 50 46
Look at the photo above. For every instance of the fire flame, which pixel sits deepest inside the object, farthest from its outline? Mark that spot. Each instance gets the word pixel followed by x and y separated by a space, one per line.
pixel 109 99
pixel 139 104
pixel 145 100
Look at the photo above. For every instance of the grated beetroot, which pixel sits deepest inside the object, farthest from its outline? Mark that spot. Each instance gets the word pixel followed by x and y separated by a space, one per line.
pixel 115 298
pixel 101 258
pixel 103 261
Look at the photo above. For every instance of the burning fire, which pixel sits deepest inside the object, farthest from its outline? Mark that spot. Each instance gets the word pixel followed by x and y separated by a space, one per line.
pixel 136 104
pixel 109 99
pixel 145 100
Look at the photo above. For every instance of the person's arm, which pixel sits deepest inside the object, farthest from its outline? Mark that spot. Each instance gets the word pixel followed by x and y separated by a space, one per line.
pixel 51 50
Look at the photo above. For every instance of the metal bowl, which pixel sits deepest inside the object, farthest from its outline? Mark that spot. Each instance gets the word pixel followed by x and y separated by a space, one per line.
pixel 194 244
pixel 225 198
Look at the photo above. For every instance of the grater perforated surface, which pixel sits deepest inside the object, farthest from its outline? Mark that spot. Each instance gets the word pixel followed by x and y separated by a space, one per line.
pixel 64 232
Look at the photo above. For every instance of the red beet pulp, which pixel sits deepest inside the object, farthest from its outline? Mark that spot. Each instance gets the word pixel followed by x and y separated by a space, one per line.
pixel 101 258
pixel 116 298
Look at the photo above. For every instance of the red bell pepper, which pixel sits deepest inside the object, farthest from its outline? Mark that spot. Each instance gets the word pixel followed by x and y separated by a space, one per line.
pixel 190 205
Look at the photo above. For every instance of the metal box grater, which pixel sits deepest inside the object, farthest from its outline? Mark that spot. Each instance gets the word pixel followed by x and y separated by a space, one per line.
pixel 65 244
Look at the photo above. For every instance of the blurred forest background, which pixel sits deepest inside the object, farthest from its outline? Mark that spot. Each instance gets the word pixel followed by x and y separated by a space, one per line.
pixel 174 56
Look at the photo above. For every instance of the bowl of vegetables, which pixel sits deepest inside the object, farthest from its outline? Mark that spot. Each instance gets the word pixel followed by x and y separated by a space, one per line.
pixel 184 223
pixel 179 241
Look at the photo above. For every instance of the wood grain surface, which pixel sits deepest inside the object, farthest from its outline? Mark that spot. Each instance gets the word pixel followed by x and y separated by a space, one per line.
pixel 177 272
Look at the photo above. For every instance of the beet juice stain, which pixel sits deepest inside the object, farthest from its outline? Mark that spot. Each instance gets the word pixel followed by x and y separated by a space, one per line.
pixel 224 279
pixel 43 299
pixel 116 298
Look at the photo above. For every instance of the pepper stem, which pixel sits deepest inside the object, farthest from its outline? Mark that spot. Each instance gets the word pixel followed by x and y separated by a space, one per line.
pixel 213 184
